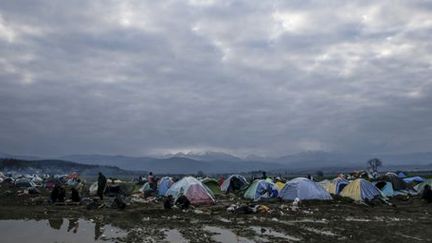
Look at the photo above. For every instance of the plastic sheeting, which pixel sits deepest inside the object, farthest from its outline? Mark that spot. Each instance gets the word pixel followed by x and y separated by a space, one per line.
pixel 410 180
pixel 193 189
pixel 303 189
pixel 261 189
pixel 360 190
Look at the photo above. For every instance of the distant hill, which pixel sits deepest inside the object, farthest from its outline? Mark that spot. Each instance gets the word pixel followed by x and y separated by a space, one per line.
pixel 59 167
pixel 216 162
pixel 174 165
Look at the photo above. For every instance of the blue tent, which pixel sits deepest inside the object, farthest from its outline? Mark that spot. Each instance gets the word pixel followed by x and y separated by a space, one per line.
pixel 303 189
pixel 234 182
pixel 261 189
pixel 386 188
pixel 417 179
pixel 361 190
pixel 164 184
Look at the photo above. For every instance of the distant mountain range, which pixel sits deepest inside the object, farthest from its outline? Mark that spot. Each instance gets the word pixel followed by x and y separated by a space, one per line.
pixel 217 162
pixel 60 167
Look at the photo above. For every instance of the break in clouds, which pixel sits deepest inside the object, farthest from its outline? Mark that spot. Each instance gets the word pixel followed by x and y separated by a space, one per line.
pixel 246 77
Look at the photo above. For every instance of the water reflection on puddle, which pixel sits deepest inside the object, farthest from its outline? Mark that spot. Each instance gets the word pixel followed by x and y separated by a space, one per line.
pixel 174 235
pixel 57 230
pixel 269 232
pixel 225 235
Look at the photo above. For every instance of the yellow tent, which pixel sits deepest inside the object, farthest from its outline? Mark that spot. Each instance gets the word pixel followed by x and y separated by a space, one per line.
pixel 360 189
pixel 280 185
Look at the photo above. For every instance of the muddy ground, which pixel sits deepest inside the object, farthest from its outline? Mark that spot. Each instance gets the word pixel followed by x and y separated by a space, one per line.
pixel 408 220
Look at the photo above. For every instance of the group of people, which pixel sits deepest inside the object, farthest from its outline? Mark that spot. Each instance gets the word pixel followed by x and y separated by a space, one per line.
pixel 58 194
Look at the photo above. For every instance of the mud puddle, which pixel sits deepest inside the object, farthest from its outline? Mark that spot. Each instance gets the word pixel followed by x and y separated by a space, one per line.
pixel 57 230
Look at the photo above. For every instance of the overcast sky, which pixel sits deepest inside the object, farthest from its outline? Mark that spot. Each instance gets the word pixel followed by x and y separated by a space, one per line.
pixel 246 77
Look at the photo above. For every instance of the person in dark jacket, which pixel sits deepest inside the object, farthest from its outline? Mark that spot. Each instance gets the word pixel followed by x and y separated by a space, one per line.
pixel 183 202
pixel 101 185
pixel 75 197
pixel 427 194
pixel 168 202
pixel 61 195
pixel 54 193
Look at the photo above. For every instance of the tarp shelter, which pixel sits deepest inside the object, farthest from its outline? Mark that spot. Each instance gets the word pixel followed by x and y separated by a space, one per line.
pixel 303 189
pixel 336 185
pixel 401 174
pixel 164 184
pixel 397 183
pixel 360 190
pixel 234 183
pixel 213 185
pixel 261 190
pixel 419 188
pixel 193 189
pixel 414 179
pixel 386 188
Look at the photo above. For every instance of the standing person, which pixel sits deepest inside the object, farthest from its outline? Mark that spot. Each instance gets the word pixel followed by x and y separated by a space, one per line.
pixel 101 185
pixel 264 175
pixel 75 197
pixel 427 194
pixel 151 181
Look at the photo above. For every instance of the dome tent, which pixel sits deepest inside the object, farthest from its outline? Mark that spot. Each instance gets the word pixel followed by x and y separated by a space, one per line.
pixel 386 188
pixel 303 189
pixel 336 185
pixel 261 189
pixel 164 184
pixel 212 184
pixel 360 190
pixel 193 189
pixel 234 183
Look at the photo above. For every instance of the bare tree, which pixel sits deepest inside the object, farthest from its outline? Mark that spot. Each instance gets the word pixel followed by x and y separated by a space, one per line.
pixel 373 165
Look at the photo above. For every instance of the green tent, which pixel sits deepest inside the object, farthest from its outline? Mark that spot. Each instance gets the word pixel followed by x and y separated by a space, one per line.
pixel 213 185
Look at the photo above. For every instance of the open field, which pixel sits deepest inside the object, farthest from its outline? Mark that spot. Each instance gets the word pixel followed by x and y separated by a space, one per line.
pixel 408 220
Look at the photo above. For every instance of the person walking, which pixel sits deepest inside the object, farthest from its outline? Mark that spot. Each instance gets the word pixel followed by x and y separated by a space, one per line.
pixel 101 185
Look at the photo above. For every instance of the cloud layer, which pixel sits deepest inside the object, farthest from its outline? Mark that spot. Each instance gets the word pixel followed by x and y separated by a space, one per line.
pixel 261 77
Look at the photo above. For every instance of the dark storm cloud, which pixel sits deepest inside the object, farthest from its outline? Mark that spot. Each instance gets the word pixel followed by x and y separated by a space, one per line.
pixel 137 77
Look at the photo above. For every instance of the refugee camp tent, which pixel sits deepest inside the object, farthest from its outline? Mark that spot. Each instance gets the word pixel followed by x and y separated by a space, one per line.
pixel 193 189
pixel 324 183
pixel 164 184
pixel 401 174
pixel 261 190
pixel 336 185
pixel 386 188
pixel 360 190
pixel 279 185
pixel 234 183
pixel 397 183
pixel 145 188
pixel 303 189
pixel 24 183
pixel 212 184
pixel 419 188
pixel 414 179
